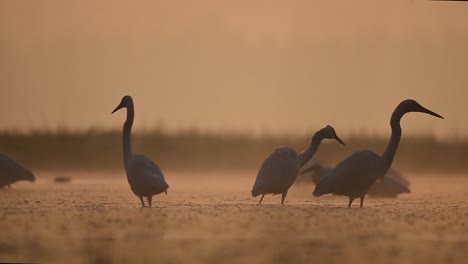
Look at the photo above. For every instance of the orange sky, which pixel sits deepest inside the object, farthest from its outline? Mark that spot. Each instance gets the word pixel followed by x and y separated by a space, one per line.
pixel 255 66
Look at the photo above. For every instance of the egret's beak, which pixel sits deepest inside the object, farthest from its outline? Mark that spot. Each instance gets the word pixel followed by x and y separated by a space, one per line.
pixel 117 108
pixel 427 111
pixel 339 140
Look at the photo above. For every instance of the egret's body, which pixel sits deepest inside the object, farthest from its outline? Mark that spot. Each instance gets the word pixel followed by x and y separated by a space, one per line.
pixel 144 176
pixel 12 171
pixel 279 171
pixel 391 185
pixel 355 175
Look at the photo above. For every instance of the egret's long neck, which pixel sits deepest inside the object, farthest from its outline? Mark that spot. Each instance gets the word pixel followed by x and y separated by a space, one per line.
pixel 392 147
pixel 126 139
pixel 309 152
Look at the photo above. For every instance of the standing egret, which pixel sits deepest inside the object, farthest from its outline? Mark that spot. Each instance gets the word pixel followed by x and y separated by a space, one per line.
pixel 393 184
pixel 143 175
pixel 279 171
pixel 12 171
pixel 355 175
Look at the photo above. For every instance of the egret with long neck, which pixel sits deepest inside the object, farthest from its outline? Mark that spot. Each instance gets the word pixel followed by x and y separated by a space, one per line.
pixel 279 171
pixel 355 175
pixel 144 176
pixel 126 135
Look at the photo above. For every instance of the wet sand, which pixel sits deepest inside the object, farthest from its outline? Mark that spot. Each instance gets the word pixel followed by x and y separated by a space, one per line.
pixel 211 218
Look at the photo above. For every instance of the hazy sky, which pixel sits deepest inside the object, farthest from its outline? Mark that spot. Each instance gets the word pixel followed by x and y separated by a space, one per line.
pixel 254 66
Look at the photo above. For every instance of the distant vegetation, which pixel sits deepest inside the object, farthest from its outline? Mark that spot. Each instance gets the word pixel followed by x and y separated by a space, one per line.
pixel 193 150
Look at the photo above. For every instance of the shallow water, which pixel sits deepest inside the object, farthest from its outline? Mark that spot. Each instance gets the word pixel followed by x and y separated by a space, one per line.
pixel 211 218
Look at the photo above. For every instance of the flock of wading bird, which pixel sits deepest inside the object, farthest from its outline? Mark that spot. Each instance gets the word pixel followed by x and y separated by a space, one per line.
pixel 352 177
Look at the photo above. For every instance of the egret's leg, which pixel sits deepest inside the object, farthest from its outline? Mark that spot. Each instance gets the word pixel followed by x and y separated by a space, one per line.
pixel 350 201
pixel 142 202
pixel 150 199
pixel 362 200
pixel 261 199
pixel 283 196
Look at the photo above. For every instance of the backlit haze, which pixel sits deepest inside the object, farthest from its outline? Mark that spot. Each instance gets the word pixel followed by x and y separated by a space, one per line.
pixel 248 66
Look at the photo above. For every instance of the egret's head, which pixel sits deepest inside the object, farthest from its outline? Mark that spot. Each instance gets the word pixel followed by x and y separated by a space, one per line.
pixel 126 102
pixel 410 105
pixel 327 132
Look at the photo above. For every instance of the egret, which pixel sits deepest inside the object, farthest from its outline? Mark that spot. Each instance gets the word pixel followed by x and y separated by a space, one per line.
pixel 279 171
pixel 393 184
pixel 355 175
pixel 144 176
pixel 12 171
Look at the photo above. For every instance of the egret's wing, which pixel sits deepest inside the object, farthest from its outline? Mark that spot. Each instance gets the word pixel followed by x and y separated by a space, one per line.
pixel 387 187
pixel 148 177
pixel 311 165
pixel 277 171
pixel 360 169
pixel 315 171
pixel 395 175
pixel 390 186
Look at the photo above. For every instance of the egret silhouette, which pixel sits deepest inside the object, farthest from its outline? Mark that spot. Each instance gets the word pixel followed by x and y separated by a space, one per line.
pixel 355 175
pixel 279 171
pixel 12 171
pixel 144 176
pixel 393 184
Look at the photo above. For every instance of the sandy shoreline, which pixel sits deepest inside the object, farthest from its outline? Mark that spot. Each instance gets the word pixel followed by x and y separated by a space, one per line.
pixel 212 218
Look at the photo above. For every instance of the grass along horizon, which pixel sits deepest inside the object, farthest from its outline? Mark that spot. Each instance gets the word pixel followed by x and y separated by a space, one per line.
pixel 192 149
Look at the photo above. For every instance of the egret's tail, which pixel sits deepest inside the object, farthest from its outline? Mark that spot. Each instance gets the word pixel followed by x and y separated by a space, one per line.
pixel 32 178
pixel 321 189
pixel 255 193
pixel 256 189
pixel 404 189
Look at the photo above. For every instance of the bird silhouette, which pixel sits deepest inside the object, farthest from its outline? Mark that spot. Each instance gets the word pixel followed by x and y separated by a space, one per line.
pixel 355 175
pixel 393 184
pixel 279 171
pixel 12 171
pixel 144 176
